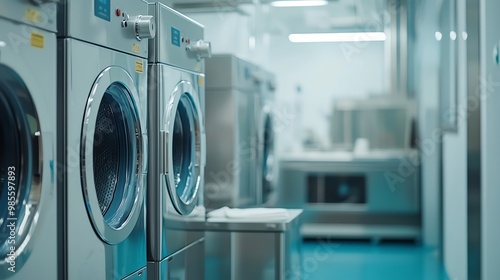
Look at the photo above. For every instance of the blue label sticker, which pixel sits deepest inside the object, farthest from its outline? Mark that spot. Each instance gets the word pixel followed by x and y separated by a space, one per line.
pixel 102 9
pixel 176 37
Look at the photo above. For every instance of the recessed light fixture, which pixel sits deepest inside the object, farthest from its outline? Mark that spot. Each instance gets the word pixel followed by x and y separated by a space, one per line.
pixel 305 3
pixel 337 37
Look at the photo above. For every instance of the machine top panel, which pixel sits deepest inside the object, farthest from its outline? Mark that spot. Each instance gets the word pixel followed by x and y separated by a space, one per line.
pixel 225 71
pixel 40 15
pixel 118 25
pixel 175 36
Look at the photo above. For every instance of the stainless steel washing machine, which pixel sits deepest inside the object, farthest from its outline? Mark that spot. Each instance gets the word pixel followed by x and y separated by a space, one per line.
pixel 266 159
pixel 176 213
pixel 103 93
pixel 233 86
pixel 28 194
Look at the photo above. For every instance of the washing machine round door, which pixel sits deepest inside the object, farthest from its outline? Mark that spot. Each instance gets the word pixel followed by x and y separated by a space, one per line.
pixel 185 147
pixel 267 155
pixel 112 155
pixel 20 168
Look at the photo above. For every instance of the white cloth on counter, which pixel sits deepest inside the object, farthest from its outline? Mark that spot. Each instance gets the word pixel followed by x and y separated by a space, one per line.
pixel 249 214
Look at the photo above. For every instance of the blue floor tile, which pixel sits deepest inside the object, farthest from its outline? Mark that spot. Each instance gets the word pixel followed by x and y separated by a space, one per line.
pixel 358 261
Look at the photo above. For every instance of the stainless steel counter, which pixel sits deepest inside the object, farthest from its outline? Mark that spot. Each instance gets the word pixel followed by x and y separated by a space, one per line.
pixel 246 249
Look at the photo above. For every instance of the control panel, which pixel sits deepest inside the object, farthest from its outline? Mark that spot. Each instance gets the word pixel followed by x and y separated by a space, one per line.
pixel 120 25
pixel 179 40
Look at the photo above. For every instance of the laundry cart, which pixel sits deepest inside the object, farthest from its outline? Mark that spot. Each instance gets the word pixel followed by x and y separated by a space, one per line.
pixel 253 248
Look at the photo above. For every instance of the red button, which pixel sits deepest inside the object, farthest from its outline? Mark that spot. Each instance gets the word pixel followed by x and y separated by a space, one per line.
pixel 118 12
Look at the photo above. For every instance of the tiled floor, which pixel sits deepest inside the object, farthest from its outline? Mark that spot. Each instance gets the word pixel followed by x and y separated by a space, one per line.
pixel 364 261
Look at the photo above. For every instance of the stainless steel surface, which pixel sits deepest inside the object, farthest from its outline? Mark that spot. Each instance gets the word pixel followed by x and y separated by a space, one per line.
pixel 232 139
pixel 187 263
pixel 98 246
pixel 231 251
pixel 225 71
pixel 175 34
pixel 99 23
pixel 475 83
pixel 141 274
pixel 490 137
pixel 176 144
pixel 42 16
pixel 29 79
pixel 384 121
pixel 391 192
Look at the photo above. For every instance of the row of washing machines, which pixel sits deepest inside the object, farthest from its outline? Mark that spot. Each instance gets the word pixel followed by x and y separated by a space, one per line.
pixel 104 140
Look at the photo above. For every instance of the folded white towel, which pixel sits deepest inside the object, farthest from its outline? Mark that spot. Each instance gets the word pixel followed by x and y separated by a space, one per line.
pixel 254 214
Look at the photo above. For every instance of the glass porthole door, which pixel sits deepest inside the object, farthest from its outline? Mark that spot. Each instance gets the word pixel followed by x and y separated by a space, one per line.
pixel 267 155
pixel 182 146
pixel 112 155
pixel 21 165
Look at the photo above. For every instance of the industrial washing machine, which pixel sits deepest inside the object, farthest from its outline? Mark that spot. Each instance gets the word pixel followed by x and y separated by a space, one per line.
pixel 28 194
pixel 103 51
pixel 176 214
pixel 266 160
pixel 233 86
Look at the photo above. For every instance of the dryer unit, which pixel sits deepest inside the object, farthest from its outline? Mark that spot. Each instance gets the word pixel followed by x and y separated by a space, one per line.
pixel 266 160
pixel 176 213
pixel 233 86
pixel 28 91
pixel 103 93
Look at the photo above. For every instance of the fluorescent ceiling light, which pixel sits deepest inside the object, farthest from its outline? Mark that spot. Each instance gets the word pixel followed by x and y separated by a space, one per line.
pixel 305 3
pixel 337 37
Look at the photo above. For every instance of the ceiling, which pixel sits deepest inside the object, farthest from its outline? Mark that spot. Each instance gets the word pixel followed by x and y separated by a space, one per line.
pixel 338 15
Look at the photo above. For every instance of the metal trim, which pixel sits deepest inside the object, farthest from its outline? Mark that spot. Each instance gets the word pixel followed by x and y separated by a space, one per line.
pixel 108 234
pixel 33 198
pixel 183 87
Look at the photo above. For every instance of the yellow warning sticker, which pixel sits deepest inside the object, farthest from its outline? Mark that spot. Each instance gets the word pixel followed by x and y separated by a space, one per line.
pixel 139 67
pixel 37 40
pixel 200 81
pixel 136 48
pixel 32 15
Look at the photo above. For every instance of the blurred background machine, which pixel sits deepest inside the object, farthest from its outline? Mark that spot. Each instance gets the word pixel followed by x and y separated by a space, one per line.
pixel 367 186
pixel 233 87
pixel 267 158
